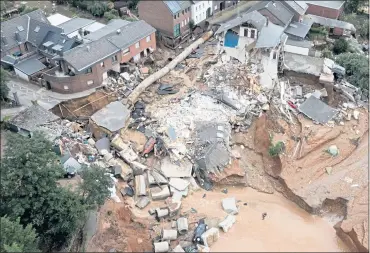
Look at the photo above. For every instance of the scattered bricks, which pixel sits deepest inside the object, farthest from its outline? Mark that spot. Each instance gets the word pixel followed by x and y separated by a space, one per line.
pixel 142 202
pixel 127 153
pixel 227 223
pixel 159 194
pixel 229 205
pixel 118 143
pixel 169 234
pixel 202 248
pixel 140 187
pixel 161 212
pixel 161 247
pixel 173 206
pixel 182 225
pixel 178 248
pixel 210 236
pixel 144 70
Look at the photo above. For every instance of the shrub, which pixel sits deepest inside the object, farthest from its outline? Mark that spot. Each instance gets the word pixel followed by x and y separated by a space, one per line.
pixel 109 15
pixel 327 53
pixel 276 149
pixel 97 8
pixel 4 89
pixel 340 46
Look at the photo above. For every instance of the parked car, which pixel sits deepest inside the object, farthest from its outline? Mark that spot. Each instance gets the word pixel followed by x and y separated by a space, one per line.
pixel 201 227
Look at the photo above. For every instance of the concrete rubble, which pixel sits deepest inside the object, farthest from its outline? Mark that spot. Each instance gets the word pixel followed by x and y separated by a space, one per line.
pixel 227 223
pixel 229 205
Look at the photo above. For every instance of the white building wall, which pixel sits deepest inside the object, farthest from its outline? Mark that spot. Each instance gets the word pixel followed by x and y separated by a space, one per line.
pixel 296 50
pixel 21 74
pixel 199 11
pixel 249 32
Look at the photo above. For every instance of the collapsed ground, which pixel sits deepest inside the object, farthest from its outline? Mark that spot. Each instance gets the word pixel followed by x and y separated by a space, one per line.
pixel 329 186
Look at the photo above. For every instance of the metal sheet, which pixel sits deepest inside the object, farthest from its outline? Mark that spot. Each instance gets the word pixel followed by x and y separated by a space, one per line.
pixel 317 110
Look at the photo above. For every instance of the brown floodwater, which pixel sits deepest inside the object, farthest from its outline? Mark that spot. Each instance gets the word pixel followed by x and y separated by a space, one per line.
pixel 285 228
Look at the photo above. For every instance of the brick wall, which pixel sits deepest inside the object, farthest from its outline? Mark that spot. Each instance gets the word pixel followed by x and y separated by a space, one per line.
pixel 182 17
pixel 157 15
pixel 143 46
pixel 80 81
pixel 323 11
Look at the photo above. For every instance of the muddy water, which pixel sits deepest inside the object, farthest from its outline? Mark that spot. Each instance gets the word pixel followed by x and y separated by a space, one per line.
pixel 286 227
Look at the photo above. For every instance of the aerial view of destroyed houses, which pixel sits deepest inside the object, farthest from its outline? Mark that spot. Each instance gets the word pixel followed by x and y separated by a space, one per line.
pixel 184 126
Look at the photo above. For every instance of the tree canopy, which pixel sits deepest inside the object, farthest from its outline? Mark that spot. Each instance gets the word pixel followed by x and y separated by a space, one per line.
pixel 16 238
pixel 4 89
pixel 357 69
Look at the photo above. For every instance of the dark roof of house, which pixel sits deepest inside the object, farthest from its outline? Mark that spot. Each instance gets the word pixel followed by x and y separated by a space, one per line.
pixel 30 66
pixel 131 33
pixel 38 31
pixel 177 6
pixel 86 55
pixel 299 29
pixel 254 17
pixel 9 59
pixel 64 41
pixel 21 25
pixel 109 29
pixel 298 6
pixel 75 24
pixel 277 9
pixel 328 4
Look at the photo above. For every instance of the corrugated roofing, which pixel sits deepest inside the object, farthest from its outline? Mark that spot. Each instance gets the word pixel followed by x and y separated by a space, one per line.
pixel 81 57
pixel 177 6
pixel 299 29
pixel 269 36
pixel 111 27
pixel 30 66
pixel 254 17
pixel 329 4
pixel 279 11
pixel 75 24
pixel 132 33
pixel 328 22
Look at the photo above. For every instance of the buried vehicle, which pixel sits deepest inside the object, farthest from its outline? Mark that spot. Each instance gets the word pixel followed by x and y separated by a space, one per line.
pixel 200 228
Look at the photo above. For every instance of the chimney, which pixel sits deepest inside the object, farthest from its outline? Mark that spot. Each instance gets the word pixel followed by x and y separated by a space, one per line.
pixel 118 31
pixel 17 37
pixel 88 48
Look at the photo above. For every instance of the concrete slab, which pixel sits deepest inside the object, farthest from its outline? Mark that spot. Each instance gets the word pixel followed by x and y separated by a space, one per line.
pixel 317 110
pixel 179 184
pixel 112 117
pixel 303 64
pixel 181 169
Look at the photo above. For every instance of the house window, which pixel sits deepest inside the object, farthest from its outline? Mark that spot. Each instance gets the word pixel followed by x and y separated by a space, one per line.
pixel 185 22
pixel 148 39
pixel 126 51
pixel 183 12
pixel 253 33
pixel 188 8
pixel 66 87
pixel 182 23
pixel 274 55
pixel 174 17
pixel 188 20
pixel 90 82
pixel 137 45
pixel 88 70
pixel 176 30
pixel 178 15
pixel 25 47
pixel 102 64
pixel 114 58
pixel 331 30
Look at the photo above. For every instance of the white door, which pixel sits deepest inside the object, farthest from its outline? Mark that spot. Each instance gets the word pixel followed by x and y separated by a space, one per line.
pixel 105 75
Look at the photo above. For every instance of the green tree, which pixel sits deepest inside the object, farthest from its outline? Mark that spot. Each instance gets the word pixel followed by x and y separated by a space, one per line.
pixel 29 174
pixel 340 46
pixel 4 89
pixel 28 9
pixel 94 188
pixel 112 14
pixel 357 69
pixel 97 8
pixel 352 6
pixel 361 22
pixel 16 238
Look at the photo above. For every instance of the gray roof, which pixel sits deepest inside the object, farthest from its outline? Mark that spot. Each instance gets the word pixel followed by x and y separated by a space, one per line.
pixel 131 33
pixel 277 9
pixel 38 31
pixel 299 43
pixel 31 118
pixel 177 6
pixel 317 110
pixel 9 59
pixel 299 29
pixel 112 117
pixel 329 4
pixel 328 22
pixel 298 6
pixel 8 28
pixel 30 66
pixel 63 40
pixel 270 36
pixel 110 28
pixel 86 55
pixel 75 24
pixel 255 18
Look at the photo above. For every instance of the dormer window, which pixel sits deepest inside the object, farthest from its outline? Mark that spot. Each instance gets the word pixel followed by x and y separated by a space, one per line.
pixel 37 29
pixel 20 28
